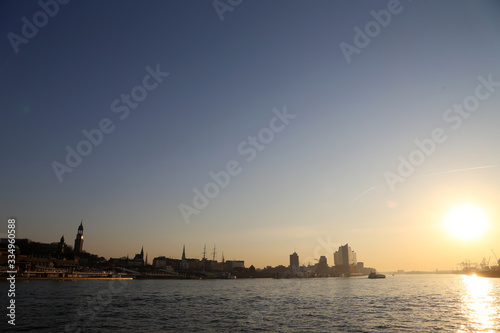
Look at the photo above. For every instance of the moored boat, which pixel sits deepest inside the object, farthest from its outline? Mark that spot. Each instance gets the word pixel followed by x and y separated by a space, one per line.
pixel 491 272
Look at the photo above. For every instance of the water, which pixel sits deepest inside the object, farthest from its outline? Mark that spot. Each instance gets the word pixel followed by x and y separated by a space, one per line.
pixel 418 303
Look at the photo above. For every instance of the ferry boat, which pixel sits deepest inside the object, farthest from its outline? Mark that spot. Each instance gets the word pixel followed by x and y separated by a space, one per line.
pixel 374 275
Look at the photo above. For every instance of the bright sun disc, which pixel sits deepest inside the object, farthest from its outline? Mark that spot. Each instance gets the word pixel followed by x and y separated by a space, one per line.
pixel 466 222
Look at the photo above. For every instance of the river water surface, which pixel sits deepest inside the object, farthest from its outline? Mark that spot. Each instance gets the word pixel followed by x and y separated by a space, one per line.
pixel 401 303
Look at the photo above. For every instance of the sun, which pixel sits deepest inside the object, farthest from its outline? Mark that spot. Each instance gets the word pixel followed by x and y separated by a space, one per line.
pixel 466 222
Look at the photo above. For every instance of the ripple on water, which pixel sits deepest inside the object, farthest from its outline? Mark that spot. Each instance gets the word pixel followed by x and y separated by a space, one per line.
pixel 446 303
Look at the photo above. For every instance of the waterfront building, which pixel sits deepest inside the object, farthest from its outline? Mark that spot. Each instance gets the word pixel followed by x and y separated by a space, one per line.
pixel 31 255
pixel 294 261
pixel 344 256
pixel 61 247
pixel 345 261
pixel 365 270
pixel 322 268
pixel 165 263
pixel 138 260
pixel 294 268
pixel 160 262
pixel 231 265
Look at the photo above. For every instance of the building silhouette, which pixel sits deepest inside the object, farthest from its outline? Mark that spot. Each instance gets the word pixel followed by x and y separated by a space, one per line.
pixel 137 261
pixel 345 260
pixel 294 261
pixel 79 239
pixel 235 265
pixel 184 262
pixel 139 258
pixel 322 268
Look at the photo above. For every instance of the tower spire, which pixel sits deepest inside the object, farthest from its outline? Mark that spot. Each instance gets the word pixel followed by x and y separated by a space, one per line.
pixel 183 252
pixel 79 239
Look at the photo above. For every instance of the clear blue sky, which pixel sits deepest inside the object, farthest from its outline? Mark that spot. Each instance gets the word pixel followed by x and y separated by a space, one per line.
pixel 352 121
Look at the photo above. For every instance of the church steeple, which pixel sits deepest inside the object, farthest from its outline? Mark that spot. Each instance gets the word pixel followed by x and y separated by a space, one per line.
pixel 184 262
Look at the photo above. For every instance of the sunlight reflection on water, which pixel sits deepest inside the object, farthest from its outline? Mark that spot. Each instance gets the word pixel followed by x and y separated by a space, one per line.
pixel 478 304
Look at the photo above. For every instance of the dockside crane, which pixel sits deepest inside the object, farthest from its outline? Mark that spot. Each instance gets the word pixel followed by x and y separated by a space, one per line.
pixel 498 261
pixel 484 263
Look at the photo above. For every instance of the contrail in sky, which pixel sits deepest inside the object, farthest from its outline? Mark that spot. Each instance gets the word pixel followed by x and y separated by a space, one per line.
pixel 460 170
pixel 363 193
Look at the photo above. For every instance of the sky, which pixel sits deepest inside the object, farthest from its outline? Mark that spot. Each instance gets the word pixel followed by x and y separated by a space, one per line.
pixel 262 128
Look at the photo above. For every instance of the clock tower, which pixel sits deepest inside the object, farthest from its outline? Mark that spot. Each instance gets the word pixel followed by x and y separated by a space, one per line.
pixel 79 239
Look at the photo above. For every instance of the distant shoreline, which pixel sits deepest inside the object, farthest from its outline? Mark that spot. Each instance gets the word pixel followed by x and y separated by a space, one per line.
pixel 72 278
pixel 183 278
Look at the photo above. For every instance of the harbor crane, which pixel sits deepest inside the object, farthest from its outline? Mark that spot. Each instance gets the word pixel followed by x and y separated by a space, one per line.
pixel 498 261
pixel 484 263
